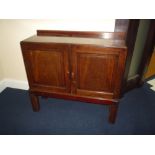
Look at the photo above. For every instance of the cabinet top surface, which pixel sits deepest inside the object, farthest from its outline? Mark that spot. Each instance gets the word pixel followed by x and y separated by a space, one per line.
pixel 76 40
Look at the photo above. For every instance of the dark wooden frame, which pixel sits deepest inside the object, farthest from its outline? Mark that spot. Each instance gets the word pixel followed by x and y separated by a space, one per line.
pixel 148 51
pixel 130 43
pixel 138 79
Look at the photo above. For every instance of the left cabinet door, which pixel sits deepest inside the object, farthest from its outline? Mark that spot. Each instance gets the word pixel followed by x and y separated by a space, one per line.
pixel 47 66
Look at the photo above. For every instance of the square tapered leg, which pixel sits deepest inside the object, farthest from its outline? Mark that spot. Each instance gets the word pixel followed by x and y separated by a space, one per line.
pixel 35 102
pixel 113 108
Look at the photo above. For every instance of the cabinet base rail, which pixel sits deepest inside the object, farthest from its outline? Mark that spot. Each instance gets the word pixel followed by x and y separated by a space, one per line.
pixel 113 104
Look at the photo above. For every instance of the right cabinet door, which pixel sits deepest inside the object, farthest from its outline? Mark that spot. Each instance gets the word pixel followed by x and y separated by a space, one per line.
pixel 97 71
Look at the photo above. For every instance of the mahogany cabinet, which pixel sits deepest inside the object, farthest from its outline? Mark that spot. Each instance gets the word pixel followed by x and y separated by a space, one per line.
pixel 77 68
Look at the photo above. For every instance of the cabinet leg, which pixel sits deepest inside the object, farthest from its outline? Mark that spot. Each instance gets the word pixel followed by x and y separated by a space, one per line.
pixel 113 108
pixel 35 102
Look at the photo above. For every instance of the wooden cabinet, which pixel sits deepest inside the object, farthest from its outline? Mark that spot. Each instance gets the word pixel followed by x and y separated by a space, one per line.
pixel 76 68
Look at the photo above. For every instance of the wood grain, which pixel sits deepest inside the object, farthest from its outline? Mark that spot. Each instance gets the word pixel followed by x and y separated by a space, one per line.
pixel 85 72
pixel 85 34
pixel 97 71
pixel 47 67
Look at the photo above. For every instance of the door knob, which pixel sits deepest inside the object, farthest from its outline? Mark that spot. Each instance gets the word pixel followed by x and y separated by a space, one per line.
pixel 72 75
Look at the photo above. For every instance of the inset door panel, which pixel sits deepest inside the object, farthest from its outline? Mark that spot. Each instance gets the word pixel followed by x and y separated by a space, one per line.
pixel 49 68
pixel 95 70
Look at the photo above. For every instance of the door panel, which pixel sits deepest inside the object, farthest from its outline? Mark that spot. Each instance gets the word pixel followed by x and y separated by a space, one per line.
pixel 95 71
pixel 49 68
pixel 92 71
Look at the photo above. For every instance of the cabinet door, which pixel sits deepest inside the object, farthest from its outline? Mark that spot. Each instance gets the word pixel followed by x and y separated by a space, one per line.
pixel 97 71
pixel 47 66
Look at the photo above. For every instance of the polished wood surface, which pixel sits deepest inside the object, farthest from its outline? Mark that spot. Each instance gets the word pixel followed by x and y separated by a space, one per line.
pixel 95 70
pixel 77 69
pixel 47 67
pixel 86 34
pixel 75 40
